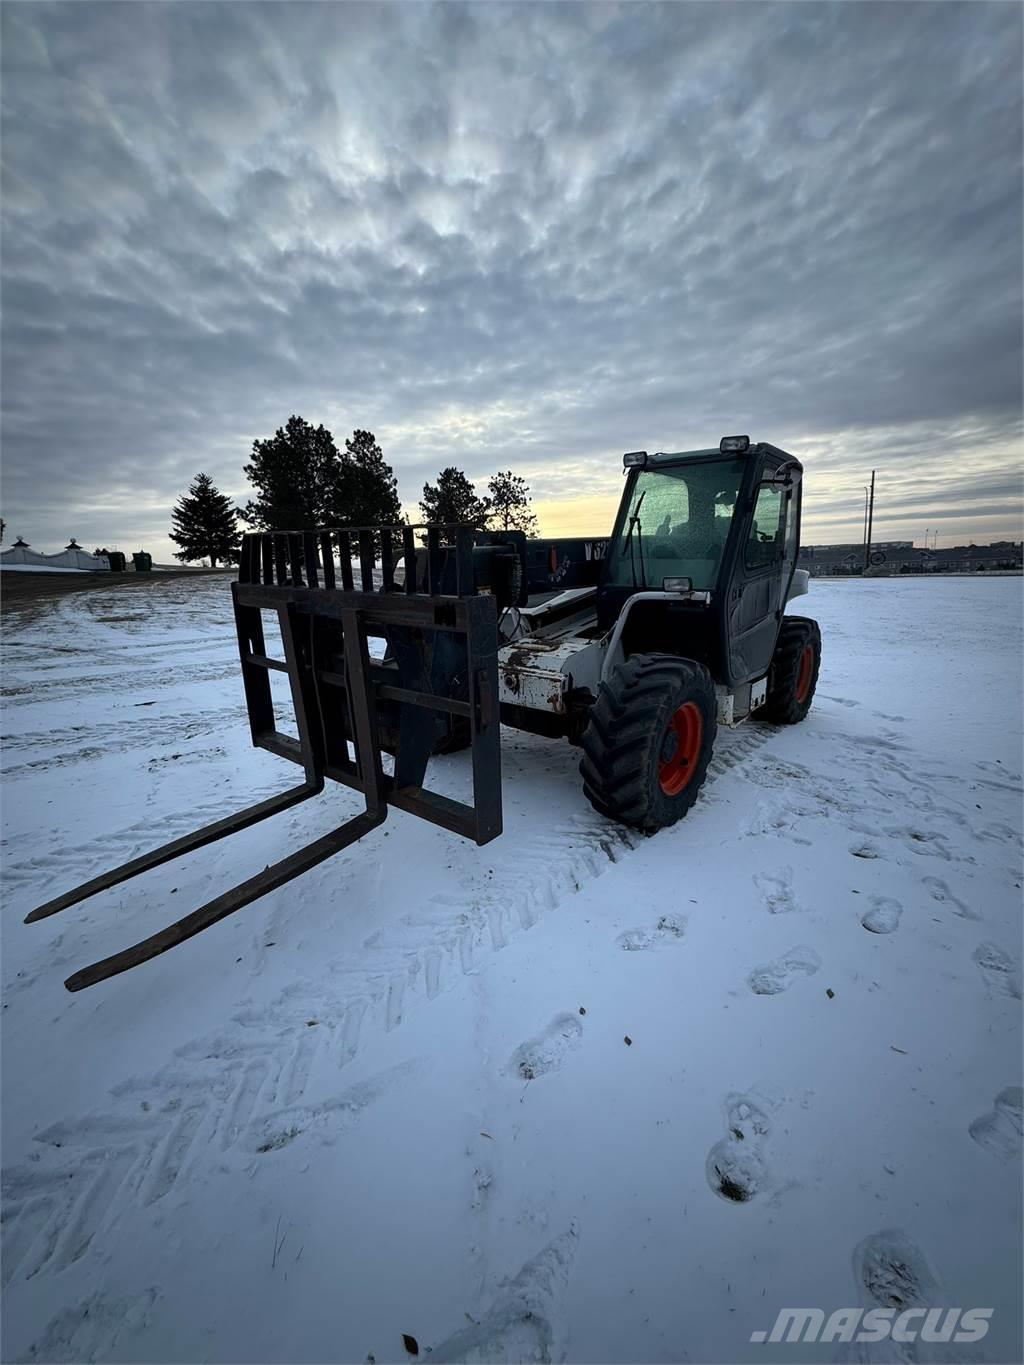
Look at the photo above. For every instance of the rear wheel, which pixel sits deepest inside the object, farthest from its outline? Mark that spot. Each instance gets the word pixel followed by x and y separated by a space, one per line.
pixel 793 675
pixel 649 739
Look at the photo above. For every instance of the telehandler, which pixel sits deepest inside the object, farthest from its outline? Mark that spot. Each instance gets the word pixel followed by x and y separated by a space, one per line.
pixel 635 648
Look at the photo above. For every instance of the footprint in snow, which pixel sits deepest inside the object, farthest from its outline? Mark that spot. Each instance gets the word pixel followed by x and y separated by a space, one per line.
pixel 892 1272
pixel 864 850
pixel 940 892
pixel 548 1050
pixel 999 970
pixel 89 1329
pixel 777 891
pixel 926 843
pixel 1000 1129
pixel 778 819
pixel 882 915
pixel 523 1321
pixel 736 1169
pixel 779 975
pixel 669 929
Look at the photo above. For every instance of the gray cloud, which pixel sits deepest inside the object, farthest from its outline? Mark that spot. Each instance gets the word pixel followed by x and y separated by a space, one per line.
pixel 526 235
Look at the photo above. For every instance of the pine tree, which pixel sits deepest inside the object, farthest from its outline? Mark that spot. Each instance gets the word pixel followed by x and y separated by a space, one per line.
pixel 204 524
pixel 299 477
pixel 303 481
pixel 509 504
pixel 453 499
pixel 368 495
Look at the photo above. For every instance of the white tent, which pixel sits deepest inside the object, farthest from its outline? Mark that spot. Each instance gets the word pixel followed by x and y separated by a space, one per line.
pixel 71 557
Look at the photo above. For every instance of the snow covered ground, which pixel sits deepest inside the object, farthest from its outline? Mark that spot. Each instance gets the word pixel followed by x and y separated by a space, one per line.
pixel 575 1094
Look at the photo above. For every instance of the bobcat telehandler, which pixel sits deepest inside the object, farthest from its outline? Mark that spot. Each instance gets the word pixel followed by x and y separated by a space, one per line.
pixel 635 648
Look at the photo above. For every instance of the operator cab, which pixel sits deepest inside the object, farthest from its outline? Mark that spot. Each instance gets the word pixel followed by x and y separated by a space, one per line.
pixel 716 532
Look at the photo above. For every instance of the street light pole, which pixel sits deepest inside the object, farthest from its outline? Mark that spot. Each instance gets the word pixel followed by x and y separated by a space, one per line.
pixel 871 517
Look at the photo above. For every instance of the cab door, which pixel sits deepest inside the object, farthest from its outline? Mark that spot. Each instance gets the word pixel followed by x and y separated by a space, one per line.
pixel 764 566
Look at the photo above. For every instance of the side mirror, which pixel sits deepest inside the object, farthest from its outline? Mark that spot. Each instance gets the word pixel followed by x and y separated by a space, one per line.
pixel 785 476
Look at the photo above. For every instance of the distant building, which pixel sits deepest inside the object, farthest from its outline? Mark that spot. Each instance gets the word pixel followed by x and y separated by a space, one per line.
pixel 903 557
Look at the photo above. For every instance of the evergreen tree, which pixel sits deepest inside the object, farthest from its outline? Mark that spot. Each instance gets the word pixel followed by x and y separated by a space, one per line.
pixel 453 498
pixel 303 481
pixel 204 524
pixel 299 478
pixel 509 504
pixel 368 494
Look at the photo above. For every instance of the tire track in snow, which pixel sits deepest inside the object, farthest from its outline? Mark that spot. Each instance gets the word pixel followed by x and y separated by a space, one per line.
pixel 79 860
pixel 115 683
pixel 247 1087
pixel 898 804
pixel 101 739
pixel 76 862
pixel 216 1096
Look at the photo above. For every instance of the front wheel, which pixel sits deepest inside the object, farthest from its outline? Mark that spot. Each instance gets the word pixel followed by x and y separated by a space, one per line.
pixel 793 675
pixel 649 739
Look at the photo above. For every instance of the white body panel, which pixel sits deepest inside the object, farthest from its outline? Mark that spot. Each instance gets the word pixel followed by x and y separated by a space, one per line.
pixel 540 664
pixel 539 673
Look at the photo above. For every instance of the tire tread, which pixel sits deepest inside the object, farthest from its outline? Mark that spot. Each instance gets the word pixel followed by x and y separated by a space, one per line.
pixel 781 705
pixel 622 742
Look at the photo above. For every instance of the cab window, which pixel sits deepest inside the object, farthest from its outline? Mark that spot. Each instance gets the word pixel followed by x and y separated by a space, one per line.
pixel 677 525
pixel 765 541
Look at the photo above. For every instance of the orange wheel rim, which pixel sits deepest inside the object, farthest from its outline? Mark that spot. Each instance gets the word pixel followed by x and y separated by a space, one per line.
pixel 803 678
pixel 680 749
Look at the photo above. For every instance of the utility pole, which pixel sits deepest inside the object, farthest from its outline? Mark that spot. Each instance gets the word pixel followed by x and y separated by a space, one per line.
pixel 871 517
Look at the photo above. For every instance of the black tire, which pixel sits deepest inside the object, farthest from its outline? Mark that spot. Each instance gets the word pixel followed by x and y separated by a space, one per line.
pixel 790 688
pixel 628 737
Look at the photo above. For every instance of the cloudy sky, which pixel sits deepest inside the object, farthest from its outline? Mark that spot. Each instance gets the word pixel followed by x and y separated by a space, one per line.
pixel 526 236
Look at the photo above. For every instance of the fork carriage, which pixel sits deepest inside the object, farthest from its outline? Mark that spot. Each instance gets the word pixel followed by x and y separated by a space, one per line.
pixel 441 637
pixel 441 664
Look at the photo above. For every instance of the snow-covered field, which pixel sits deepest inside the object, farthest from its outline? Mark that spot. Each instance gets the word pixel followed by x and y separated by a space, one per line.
pixel 491 1098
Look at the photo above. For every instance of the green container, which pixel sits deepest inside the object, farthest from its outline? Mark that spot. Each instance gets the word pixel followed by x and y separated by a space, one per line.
pixel 143 562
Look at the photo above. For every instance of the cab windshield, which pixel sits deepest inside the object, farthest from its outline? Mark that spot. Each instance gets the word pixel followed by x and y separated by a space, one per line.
pixel 676 525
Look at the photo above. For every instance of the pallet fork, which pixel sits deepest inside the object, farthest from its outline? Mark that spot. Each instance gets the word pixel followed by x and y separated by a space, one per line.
pixel 442 647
